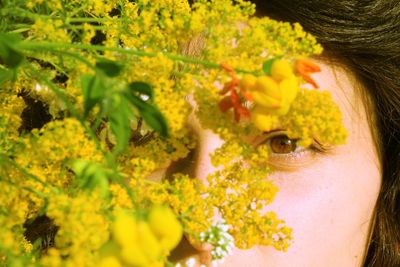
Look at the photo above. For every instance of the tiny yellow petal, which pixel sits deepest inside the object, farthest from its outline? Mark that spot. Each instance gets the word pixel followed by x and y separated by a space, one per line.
pixel 165 226
pixel 281 69
pixel 289 88
pixel 124 229
pixel 109 262
pixel 134 255
pixel 148 241
pixel 265 100
pixel 248 81
pixel 268 86
pixel 261 120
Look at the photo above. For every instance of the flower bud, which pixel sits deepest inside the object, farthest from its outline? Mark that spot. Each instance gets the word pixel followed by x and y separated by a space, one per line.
pixel 148 241
pixel 281 69
pixel 165 226
pixel 124 229
pixel 266 92
pixel 273 97
pixel 134 255
pixel 110 262
pixel 248 81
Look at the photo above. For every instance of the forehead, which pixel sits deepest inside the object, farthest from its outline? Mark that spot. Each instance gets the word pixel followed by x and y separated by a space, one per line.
pixel 346 92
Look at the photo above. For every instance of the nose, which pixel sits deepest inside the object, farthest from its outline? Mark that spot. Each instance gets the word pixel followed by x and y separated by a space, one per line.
pixel 207 143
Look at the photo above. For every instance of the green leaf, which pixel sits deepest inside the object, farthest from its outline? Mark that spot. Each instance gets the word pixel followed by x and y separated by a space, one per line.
pixel 120 118
pixel 93 91
pixel 91 176
pixel 135 101
pixel 109 68
pixel 151 115
pixel 5 75
pixel 9 53
pixel 141 89
pixel 267 66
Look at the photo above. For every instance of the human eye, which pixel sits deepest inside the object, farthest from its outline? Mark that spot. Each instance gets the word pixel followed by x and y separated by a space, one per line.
pixel 286 154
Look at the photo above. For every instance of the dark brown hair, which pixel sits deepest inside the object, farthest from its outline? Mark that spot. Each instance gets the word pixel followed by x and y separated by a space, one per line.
pixel 365 36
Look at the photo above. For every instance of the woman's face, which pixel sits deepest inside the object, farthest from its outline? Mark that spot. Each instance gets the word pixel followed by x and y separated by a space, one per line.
pixel 327 198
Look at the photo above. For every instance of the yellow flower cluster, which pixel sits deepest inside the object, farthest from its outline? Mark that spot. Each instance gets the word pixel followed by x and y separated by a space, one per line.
pixel 186 197
pixel 83 228
pixel 155 154
pixel 273 94
pixel 120 197
pixel 48 152
pixel 46 156
pixel 240 193
pixel 11 107
pixel 323 120
pixel 13 243
pixel 141 243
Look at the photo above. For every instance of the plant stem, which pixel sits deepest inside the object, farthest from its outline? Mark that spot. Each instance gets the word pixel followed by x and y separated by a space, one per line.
pixel 26 188
pixel 175 57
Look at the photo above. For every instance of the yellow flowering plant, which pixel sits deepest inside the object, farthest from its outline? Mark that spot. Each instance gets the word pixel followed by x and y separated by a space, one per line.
pixel 92 104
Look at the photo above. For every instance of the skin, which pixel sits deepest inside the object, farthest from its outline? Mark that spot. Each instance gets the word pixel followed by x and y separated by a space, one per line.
pixel 328 198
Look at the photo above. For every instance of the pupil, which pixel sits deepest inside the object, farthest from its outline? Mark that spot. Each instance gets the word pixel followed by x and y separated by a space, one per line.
pixel 282 145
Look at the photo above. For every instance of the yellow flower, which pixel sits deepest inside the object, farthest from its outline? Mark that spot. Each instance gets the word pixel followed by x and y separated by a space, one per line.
pixel 137 243
pixel 110 262
pixel 133 255
pixel 281 70
pixel 124 229
pixel 274 97
pixel 148 241
pixel 273 94
pixel 165 226
pixel 261 120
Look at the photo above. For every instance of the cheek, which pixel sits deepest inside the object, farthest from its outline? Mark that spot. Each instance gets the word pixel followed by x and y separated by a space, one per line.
pixel 329 205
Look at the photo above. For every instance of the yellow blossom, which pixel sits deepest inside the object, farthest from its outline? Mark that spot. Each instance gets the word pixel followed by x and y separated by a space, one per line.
pixel 263 121
pixel 273 95
pixel 124 229
pixel 110 262
pixel 165 226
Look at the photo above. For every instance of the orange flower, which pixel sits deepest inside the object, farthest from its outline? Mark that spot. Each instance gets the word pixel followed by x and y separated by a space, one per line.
pixel 234 99
pixel 304 68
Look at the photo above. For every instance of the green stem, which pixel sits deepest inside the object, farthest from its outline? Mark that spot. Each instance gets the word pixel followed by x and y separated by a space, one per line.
pixel 26 188
pixel 23 13
pixel 20 30
pixel 95 19
pixel 175 57
pixel 79 58
pixel 81 27
pixel 99 119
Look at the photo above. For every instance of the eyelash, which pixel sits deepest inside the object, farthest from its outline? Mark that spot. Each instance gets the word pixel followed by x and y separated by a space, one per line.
pixel 298 158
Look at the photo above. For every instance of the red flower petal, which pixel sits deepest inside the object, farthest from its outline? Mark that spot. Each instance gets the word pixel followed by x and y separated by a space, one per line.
pixel 225 104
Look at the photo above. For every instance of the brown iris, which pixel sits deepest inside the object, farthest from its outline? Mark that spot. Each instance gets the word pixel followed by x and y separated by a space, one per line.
pixel 282 144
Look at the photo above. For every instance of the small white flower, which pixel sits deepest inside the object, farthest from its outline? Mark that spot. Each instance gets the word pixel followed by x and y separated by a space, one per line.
pixel 221 240
pixel 191 262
